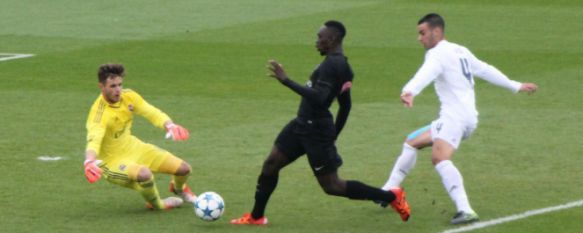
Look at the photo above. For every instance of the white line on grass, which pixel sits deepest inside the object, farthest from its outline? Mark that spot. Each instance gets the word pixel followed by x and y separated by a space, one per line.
pixel 12 56
pixel 515 217
pixel 49 158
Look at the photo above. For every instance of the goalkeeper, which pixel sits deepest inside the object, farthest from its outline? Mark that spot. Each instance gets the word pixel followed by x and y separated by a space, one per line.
pixel 123 159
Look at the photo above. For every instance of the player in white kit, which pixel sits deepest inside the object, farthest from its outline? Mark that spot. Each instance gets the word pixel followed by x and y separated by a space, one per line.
pixel 452 68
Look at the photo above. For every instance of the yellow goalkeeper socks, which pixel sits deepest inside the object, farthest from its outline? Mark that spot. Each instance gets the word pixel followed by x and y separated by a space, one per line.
pixel 150 193
pixel 179 182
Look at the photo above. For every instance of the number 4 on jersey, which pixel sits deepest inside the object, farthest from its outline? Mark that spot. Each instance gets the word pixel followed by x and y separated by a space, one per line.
pixel 466 70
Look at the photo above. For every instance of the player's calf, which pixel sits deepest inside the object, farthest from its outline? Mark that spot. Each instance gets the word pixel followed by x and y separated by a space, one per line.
pixel 185 193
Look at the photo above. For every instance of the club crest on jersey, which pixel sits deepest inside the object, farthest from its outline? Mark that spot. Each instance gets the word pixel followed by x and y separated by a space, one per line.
pixel 131 108
pixel 309 83
pixel 122 167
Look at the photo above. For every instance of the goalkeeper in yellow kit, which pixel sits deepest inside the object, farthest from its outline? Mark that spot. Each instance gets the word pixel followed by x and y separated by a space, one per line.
pixel 123 159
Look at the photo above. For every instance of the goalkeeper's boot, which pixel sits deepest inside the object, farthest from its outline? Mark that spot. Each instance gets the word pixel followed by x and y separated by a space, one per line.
pixel 186 194
pixel 247 219
pixel 400 204
pixel 169 203
pixel 464 218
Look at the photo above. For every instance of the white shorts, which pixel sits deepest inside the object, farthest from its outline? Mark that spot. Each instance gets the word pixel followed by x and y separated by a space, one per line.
pixel 451 131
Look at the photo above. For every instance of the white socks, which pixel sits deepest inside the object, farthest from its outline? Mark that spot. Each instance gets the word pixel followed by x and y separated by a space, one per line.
pixel 404 164
pixel 454 185
pixel 450 176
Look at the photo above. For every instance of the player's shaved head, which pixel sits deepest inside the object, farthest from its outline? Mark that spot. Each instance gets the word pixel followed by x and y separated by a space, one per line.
pixel 433 20
pixel 338 28
pixel 106 71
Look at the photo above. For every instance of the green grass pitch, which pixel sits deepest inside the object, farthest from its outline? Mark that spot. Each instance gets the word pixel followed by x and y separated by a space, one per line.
pixel 203 63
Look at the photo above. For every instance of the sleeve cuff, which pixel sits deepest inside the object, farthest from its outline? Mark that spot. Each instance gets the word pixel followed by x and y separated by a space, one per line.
pixel 515 86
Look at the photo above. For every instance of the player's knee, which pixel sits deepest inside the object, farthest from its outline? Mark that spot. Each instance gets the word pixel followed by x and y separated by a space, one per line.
pixel 332 189
pixel 273 164
pixel 436 159
pixel 144 174
pixel 183 170
pixel 332 186
pixel 269 166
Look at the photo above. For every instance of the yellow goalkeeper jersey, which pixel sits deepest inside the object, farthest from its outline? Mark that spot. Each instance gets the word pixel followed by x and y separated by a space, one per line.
pixel 109 126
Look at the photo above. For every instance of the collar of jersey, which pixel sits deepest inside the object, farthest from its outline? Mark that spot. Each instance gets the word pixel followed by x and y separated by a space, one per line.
pixel 114 105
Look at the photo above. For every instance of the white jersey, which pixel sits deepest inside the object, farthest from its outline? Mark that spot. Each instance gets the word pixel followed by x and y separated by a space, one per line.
pixel 453 67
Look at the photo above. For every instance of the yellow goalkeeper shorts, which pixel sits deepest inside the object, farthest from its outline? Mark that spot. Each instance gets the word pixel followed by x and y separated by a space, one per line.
pixel 122 169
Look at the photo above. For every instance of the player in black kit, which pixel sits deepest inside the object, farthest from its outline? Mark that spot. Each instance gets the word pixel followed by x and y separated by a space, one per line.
pixel 314 132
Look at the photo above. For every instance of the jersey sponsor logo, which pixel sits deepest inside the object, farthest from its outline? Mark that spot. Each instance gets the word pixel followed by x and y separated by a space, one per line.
pixel 131 107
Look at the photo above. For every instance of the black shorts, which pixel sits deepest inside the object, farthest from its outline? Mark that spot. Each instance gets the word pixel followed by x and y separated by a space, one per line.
pixel 313 137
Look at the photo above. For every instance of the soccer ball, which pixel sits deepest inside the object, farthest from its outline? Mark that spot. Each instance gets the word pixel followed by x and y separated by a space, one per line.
pixel 209 206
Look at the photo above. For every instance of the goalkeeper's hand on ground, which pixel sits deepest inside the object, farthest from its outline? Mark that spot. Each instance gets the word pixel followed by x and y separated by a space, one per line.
pixel 176 132
pixel 92 171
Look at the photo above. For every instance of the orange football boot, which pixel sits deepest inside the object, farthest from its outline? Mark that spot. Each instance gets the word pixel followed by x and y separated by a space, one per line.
pixel 247 219
pixel 400 204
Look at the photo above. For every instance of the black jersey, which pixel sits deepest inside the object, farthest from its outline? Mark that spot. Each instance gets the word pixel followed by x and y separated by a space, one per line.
pixel 314 132
pixel 327 80
pixel 324 86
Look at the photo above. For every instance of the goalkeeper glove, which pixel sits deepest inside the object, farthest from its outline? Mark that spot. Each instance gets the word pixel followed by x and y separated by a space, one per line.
pixel 92 171
pixel 176 132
